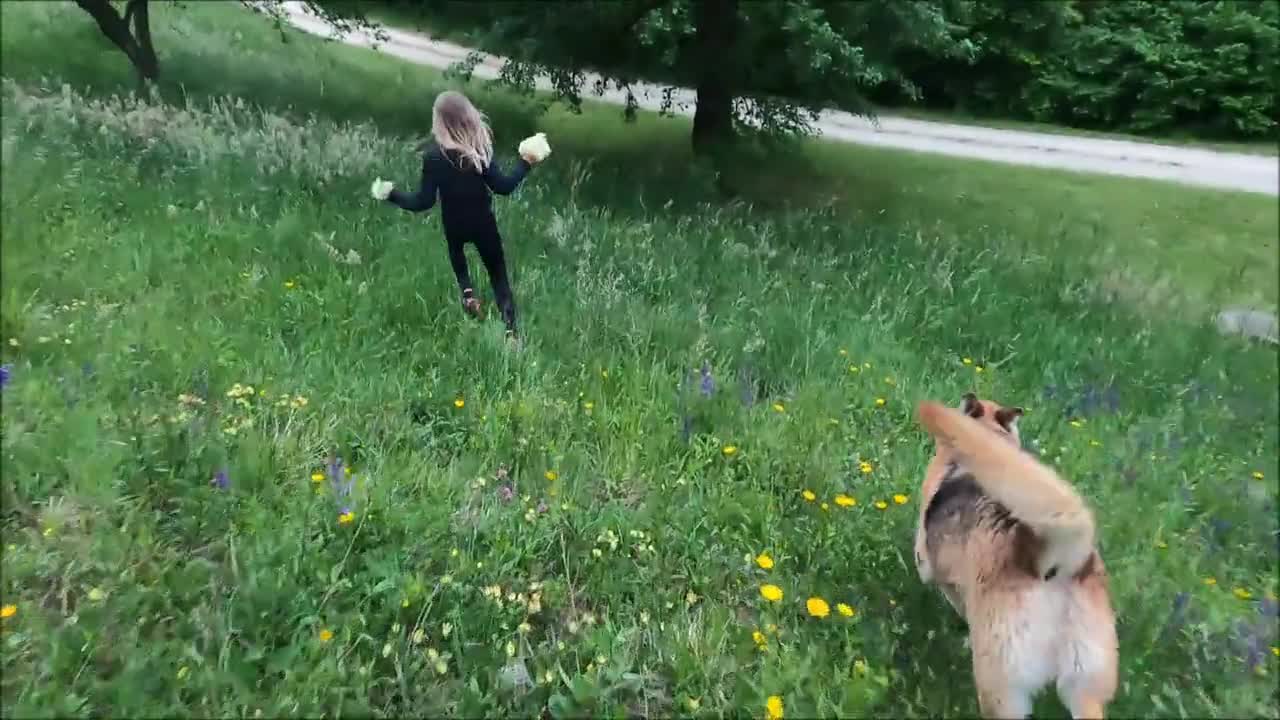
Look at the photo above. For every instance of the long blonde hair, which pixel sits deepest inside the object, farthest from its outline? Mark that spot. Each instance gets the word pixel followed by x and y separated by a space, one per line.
pixel 457 125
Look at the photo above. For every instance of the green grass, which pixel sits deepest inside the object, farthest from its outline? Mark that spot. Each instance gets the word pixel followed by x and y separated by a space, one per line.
pixel 155 251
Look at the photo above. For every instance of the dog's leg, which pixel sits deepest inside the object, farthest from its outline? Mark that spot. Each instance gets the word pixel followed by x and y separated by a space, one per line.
pixel 1086 696
pixel 998 696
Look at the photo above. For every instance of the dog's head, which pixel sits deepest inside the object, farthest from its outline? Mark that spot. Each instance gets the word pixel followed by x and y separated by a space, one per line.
pixel 1003 420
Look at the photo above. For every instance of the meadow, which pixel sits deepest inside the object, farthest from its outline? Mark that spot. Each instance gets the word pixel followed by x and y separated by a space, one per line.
pixel 202 310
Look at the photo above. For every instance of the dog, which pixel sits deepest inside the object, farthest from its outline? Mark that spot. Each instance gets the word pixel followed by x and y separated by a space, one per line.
pixel 1011 546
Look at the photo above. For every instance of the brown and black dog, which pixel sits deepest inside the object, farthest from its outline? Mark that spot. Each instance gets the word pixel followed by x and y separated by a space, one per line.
pixel 1011 546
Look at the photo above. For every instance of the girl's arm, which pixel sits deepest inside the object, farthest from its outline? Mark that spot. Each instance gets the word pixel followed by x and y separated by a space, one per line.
pixel 422 200
pixel 504 184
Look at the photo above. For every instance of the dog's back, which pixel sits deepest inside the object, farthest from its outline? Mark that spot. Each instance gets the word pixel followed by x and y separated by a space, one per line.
pixel 1011 546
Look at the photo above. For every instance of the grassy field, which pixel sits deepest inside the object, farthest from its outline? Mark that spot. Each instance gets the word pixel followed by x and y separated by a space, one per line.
pixel 201 303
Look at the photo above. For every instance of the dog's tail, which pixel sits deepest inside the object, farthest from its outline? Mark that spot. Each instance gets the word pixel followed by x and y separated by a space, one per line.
pixel 1031 491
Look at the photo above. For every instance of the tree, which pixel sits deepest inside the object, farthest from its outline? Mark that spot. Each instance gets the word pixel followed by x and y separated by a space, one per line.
pixel 129 27
pixel 764 65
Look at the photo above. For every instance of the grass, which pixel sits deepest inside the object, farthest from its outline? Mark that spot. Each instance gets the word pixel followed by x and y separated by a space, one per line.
pixel 160 256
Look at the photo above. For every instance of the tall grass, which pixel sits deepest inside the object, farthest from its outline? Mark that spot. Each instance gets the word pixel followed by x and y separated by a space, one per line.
pixel 572 527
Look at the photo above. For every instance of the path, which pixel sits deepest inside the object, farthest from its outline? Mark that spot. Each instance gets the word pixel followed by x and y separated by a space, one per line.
pixel 1189 166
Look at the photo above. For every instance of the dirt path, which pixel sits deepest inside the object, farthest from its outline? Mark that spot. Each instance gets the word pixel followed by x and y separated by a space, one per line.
pixel 1189 166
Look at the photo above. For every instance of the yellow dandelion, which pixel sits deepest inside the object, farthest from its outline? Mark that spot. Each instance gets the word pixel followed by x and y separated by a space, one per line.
pixel 588 406
pixel 326 635
pixel 854 369
pixel 809 496
pixel 1275 651
pixel 977 368
pixel 1210 581
pixel 881 505
pixel 845 501
pixel 764 561
pixel 773 707
pixel 289 284
pixel 825 506
pixel 1257 475
pixel 900 499
pixel 459 403
pixel 8 611
pixel 551 475
pixel 880 402
pixel 1242 593
pixel 317 477
pixel 967 361
pixel 772 593
pixel 845 609
pixel 866 467
pixel 758 638
pixel 346 518
pixel 779 407
pixel 729 450
pixel 817 607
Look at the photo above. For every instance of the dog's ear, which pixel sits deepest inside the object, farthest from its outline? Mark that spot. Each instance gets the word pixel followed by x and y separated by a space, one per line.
pixel 969 405
pixel 1008 417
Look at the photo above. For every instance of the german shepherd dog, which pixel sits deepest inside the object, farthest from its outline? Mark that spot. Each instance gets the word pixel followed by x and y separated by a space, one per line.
pixel 1011 546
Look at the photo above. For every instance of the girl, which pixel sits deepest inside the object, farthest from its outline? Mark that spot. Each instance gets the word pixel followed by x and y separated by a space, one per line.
pixel 459 166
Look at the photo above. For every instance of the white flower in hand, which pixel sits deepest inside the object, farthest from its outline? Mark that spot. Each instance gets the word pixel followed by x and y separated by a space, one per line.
pixel 535 149
pixel 381 189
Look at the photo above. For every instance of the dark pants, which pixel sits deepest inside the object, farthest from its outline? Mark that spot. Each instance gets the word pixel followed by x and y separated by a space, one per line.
pixel 489 243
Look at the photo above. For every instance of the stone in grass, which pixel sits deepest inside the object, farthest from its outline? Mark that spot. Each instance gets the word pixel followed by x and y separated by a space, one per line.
pixel 1250 323
pixel 515 675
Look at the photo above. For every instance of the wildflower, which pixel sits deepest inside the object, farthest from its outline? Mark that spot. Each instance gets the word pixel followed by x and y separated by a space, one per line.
pixel 707 386
pixel 1242 593
pixel 880 402
pixel 289 284
pixel 881 505
pixel 690 598
pixel 524 628
pixel 588 406
pixel 977 368
pixel 889 381
pixel 729 450
pixel 8 611
pixel 442 667
pixel 551 475
pixel 845 501
pixel 758 638
pixel 865 467
pixel 511 649
pixel 900 499
pixel 860 667
pixel 1077 423
pixel 1162 545
pixel 13 342
pixel 693 704
pixel 843 352
pixel 298 402
pixel 446 630
pixel 183 672
pixel 220 480
pixel 967 361
pixel 853 369
pixel 1095 443
pixel 418 636
pixel 346 517
pixel 459 403
pixel 817 607
pixel 773 707
pixel 825 506
pixel 779 407
pixel 96 595
pixel 4 375
pixel 764 561
pixel 809 496
pixel 1257 475
pixel 1210 581
pixel 845 609
pixel 772 593
pixel 1275 651
pixel 326 635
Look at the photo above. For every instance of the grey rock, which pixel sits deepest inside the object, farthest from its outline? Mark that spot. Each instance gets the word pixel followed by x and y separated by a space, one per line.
pixel 1250 323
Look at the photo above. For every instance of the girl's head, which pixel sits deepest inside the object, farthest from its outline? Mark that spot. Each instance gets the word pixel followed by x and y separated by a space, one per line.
pixel 457 125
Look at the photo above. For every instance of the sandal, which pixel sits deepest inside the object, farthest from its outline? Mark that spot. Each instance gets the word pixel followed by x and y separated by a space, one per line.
pixel 471 305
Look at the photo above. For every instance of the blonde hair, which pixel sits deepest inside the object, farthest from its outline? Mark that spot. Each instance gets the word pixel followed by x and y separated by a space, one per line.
pixel 457 125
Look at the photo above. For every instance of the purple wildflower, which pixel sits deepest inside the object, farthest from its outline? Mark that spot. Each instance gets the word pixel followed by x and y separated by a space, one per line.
pixel 220 480
pixel 708 384
pixel 506 493
pixel 4 375
pixel 340 483
pixel 542 506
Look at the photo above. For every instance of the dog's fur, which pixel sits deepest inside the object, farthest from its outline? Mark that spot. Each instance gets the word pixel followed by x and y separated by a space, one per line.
pixel 1011 546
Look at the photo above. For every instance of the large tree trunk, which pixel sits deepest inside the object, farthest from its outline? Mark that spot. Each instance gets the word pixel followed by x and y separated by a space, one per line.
pixel 716 31
pixel 136 45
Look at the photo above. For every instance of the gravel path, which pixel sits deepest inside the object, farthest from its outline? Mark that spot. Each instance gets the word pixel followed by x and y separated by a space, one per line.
pixel 1189 166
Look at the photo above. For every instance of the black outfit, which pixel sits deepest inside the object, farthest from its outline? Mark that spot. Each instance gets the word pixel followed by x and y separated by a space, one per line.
pixel 466 208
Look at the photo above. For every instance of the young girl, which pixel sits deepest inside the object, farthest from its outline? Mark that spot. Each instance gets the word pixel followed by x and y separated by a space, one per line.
pixel 459 166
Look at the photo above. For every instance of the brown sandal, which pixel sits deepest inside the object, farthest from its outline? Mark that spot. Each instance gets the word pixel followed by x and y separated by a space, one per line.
pixel 471 305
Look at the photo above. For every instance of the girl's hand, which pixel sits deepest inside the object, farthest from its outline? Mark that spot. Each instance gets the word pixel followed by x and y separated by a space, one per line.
pixel 381 189
pixel 535 149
